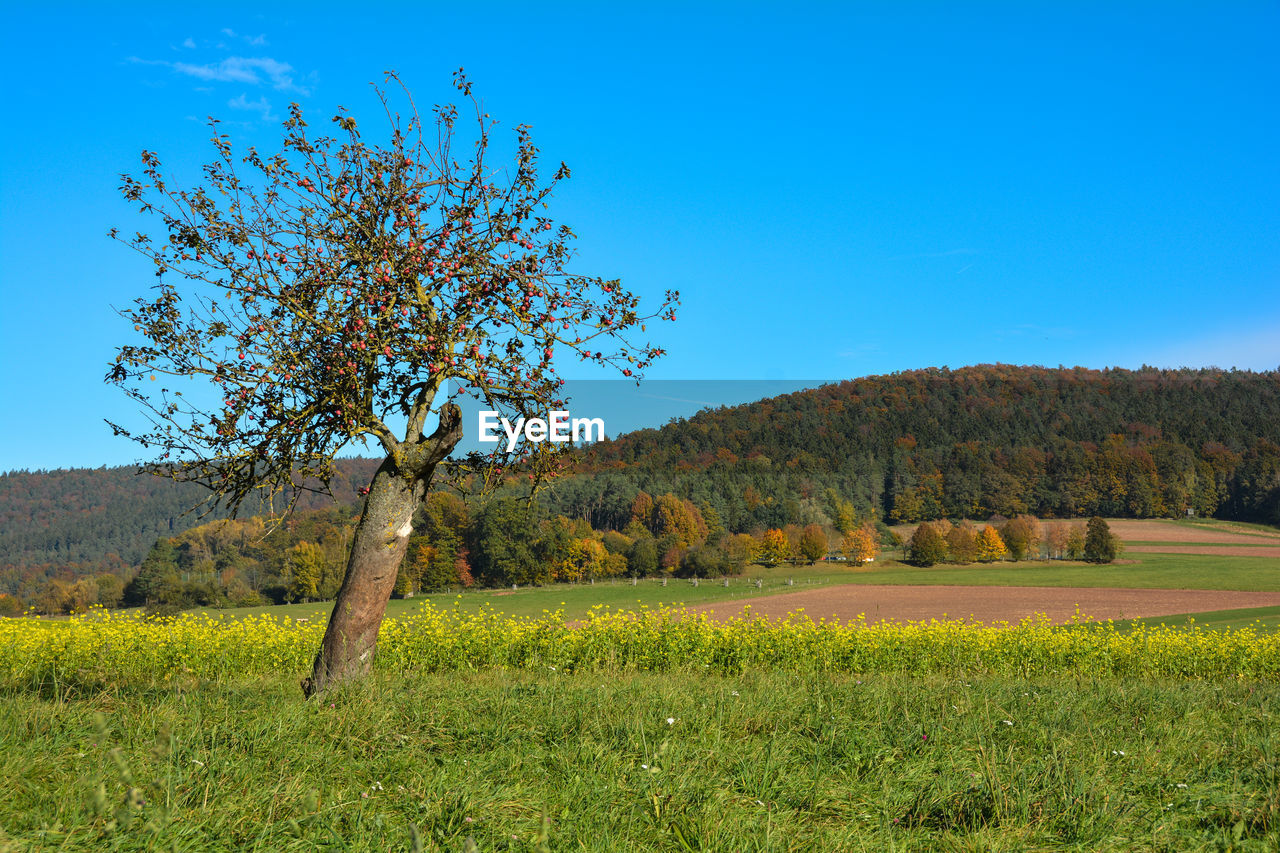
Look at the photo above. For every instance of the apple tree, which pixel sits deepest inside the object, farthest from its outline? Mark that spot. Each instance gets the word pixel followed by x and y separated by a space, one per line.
pixel 329 293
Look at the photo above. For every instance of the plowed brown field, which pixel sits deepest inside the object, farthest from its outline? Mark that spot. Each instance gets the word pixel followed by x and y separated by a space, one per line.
pixel 1175 538
pixel 1154 530
pixel 1209 550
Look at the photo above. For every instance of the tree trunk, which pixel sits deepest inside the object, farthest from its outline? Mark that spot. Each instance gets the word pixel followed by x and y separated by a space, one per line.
pixel 380 542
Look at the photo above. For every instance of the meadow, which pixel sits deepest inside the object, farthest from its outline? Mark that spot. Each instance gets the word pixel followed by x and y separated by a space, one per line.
pixel 1139 571
pixel 509 760
pixel 600 717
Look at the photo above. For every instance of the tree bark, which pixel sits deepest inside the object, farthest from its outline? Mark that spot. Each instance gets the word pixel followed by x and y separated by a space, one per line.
pixel 380 542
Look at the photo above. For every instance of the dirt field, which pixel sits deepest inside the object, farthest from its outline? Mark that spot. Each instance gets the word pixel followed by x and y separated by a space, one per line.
pixel 1154 530
pixel 1158 530
pixel 1219 550
pixel 991 603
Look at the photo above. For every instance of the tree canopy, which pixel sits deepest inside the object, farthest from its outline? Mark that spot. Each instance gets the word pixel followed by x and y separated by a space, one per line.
pixel 336 286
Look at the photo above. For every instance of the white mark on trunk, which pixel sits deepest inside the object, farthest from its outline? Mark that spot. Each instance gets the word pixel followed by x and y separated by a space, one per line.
pixel 364 656
pixel 406 528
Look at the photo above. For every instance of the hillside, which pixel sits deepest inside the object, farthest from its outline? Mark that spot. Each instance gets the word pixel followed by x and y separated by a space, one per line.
pixel 91 521
pixel 968 442
pixel 972 442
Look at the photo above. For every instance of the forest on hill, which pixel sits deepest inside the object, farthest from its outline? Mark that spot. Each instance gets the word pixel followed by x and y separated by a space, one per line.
pixel 966 443
pixel 90 521
pixel 991 440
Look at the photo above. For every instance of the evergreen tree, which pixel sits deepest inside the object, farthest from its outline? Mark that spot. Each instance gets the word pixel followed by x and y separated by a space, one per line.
pixel 1100 545
pixel 642 559
pixel 502 542
pixel 160 565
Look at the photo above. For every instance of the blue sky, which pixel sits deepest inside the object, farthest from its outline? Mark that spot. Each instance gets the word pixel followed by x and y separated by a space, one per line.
pixel 837 189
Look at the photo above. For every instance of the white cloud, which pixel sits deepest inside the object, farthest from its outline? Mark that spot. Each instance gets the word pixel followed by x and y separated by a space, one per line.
pixel 260 106
pixel 263 71
pixel 225 71
pixel 240 69
pixel 256 41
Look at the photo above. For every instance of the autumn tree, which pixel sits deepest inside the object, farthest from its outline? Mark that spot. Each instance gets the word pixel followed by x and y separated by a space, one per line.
pixel 962 543
pixel 82 595
pixel 1021 537
pixel 741 548
pixel 928 545
pixel 990 545
pixel 615 542
pixel 305 562
pixel 54 597
pixel 462 568
pixel 584 559
pixel 329 294
pixel 1075 543
pixel 860 545
pixel 444 525
pixel 774 547
pixel 813 543
pixel 674 516
pixel 416 568
pixel 642 509
pixel 711 519
pixel 1056 535
pixel 110 590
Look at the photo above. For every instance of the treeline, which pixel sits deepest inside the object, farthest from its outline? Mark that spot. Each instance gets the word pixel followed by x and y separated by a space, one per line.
pixel 70 524
pixel 973 442
pixel 509 541
pixel 502 542
pixel 1022 538
pixel 225 563
pixel 906 447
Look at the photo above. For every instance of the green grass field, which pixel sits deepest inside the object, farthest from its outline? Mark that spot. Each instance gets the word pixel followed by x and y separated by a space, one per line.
pixel 609 758
pixel 1229 526
pixel 1262 618
pixel 576 600
pixel 500 761
pixel 1146 571
pixel 1140 571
